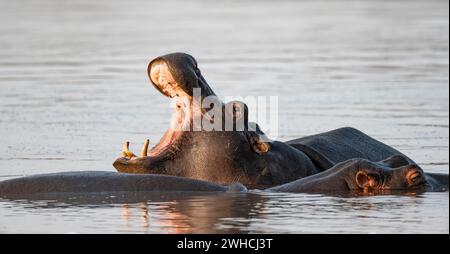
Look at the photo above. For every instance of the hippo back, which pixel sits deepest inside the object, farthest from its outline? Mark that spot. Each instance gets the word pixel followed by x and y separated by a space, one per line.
pixel 329 148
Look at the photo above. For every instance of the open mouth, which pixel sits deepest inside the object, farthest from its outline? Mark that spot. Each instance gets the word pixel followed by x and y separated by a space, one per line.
pixel 176 76
pixel 164 82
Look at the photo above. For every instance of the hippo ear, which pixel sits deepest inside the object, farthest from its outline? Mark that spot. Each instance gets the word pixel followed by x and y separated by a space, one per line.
pixel 366 180
pixel 261 147
pixel 257 144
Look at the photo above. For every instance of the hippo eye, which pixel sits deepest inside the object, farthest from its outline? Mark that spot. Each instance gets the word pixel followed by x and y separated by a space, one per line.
pixel 415 177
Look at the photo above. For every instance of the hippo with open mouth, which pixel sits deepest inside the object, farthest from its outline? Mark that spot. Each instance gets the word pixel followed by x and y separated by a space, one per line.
pixel 243 154
pixel 216 148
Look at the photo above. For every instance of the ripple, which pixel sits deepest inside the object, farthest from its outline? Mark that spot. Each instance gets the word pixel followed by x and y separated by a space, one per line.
pixel 72 91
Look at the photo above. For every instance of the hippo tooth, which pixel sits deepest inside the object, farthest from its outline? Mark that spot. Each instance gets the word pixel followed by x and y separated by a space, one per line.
pixel 145 148
pixel 126 146
pixel 125 150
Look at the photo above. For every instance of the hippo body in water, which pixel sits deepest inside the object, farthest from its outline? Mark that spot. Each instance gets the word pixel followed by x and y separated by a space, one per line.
pixel 104 181
pixel 354 176
pixel 200 158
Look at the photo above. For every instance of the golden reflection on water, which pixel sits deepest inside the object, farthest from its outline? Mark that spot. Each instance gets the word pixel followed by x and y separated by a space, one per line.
pixel 143 215
pixel 196 215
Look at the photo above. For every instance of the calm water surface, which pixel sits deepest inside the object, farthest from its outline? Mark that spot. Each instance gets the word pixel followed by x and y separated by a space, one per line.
pixel 73 87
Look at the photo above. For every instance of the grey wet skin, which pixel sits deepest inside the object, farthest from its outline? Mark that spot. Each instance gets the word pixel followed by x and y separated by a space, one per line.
pixel 391 176
pixel 242 155
pixel 103 181
pixel 363 176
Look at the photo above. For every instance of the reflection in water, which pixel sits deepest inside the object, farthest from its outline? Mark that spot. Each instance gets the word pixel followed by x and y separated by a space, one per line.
pixel 198 214
pixel 205 214
pixel 126 214
pixel 143 214
pixel 174 221
pixel 258 212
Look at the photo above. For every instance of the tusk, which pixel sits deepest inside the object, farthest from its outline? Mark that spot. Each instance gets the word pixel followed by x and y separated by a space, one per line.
pixel 126 147
pixel 145 148
pixel 126 150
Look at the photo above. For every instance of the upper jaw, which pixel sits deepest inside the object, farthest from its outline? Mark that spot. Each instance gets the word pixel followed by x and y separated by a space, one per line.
pixel 177 74
pixel 163 80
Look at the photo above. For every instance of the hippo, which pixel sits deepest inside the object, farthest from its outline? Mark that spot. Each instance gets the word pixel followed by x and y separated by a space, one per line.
pixel 226 153
pixel 105 181
pixel 357 176
pixel 361 176
pixel 242 153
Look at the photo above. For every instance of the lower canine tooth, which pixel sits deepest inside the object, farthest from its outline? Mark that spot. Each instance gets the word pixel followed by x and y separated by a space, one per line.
pixel 145 148
pixel 125 147
pixel 125 150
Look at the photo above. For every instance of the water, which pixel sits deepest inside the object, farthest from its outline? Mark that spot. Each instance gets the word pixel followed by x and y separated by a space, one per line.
pixel 74 87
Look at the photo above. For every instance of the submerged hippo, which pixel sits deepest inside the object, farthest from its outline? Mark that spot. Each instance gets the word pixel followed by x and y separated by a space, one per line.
pixel 363 176
pixel 357 176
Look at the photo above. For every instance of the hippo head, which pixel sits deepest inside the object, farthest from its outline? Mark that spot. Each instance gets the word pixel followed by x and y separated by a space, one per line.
pixel 204 142
pixel 370 177
pixel 361 176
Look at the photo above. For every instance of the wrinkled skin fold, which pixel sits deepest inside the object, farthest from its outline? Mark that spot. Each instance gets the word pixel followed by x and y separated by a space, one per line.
pixel 189 158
